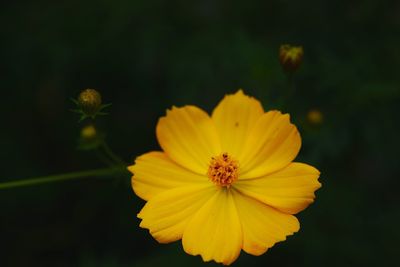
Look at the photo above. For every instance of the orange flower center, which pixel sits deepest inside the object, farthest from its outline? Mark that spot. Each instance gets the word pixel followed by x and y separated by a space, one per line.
pixel 223 170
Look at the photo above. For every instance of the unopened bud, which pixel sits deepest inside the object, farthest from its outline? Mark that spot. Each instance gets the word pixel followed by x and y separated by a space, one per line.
pixel 315 117
pixel 89 101
pixel 88 132
pixel 290 57
pixel 90 138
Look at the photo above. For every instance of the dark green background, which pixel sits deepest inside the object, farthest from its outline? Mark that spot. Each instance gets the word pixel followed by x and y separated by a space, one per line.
pixel 145 56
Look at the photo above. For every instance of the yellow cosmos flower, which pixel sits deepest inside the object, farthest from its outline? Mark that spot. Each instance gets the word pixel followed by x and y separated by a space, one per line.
pixel 226 182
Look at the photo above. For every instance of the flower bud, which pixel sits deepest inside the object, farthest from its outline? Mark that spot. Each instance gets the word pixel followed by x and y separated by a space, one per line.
pixel 290 57
pixel 89 101
pixel 88 132
pixel 315 117
pixel 90 138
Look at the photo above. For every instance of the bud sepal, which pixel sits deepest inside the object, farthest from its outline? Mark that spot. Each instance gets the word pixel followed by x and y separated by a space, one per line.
pixel 89 104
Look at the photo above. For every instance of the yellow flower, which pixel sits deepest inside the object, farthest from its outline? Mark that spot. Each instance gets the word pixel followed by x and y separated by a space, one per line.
pixel 226 182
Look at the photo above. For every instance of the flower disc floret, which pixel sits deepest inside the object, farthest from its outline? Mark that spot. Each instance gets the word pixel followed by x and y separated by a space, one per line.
pixel 223 170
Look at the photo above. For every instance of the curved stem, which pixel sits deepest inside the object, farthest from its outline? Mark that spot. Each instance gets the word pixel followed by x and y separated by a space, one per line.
pixel 111 154
pixel 62 177
pixel 103 158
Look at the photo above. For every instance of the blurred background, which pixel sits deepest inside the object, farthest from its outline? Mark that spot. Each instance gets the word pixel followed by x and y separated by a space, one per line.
pixel 145 56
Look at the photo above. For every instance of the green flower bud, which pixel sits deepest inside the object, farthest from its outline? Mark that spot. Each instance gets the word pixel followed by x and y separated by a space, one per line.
pixel 290 57
pixel 88 132
pixel 90 138
pixel 315 117
pixel 89 100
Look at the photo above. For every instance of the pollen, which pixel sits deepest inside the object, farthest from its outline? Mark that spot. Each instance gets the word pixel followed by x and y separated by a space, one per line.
pixel 223 170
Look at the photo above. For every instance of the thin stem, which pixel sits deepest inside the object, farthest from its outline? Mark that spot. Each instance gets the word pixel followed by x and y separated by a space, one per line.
pixel 63 177
pixel 111 154
pixel 291 85
pixel 103 158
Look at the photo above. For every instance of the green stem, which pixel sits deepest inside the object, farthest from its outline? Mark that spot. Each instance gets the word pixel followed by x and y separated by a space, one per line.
pixel 103 158
pixel 291 86
pixel 63 177
pixel 111 154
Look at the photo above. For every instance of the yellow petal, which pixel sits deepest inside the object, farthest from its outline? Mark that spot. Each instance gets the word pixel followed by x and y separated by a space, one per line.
pixel 188 136
pixel 214 232
pixel 234 117
pixel 272 144
pixel 154 173
pixel 262 225
pixel 290 190
pixel 167 214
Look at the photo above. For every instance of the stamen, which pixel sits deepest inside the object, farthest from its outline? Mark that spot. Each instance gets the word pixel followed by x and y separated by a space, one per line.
pixel 223 170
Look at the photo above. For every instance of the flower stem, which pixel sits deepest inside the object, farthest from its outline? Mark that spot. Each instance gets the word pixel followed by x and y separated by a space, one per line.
pixel 63 177
pixel 291 86
pixel 104 158
pixel 108 151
